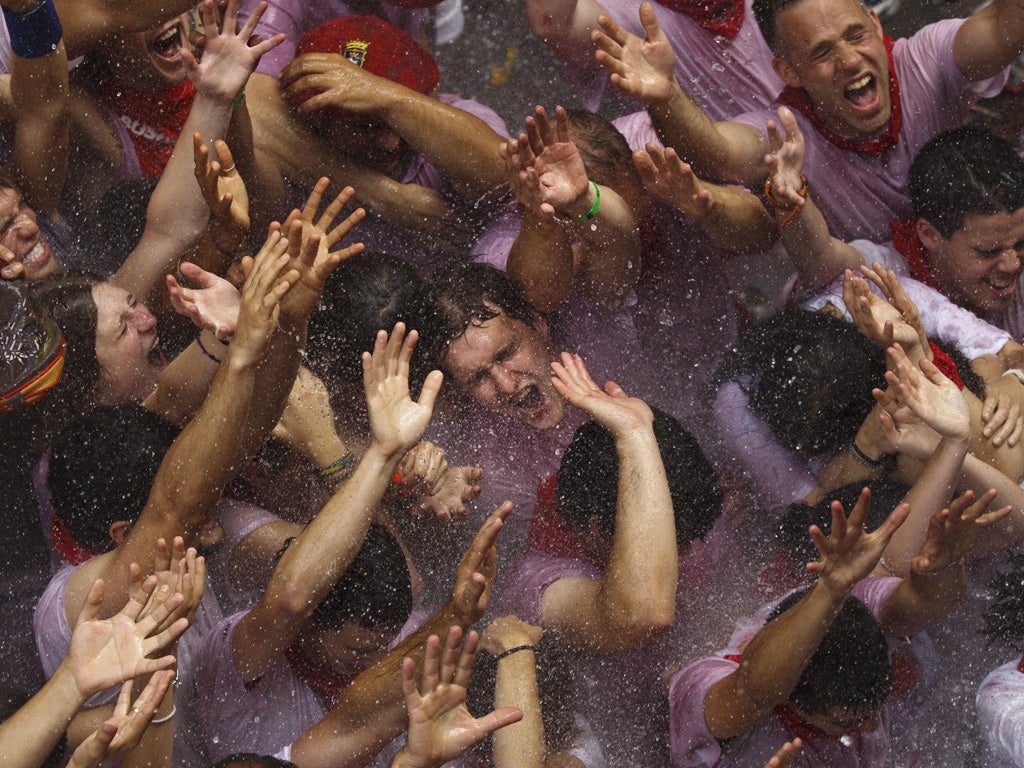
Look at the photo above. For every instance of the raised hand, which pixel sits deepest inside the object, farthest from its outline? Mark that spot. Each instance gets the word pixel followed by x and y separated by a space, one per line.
pixel 551 171
pixel 786 160
pixel 396 421
pixel 440 726
pixel 643 68
pixel 610 407
pixel 108 651
pixel 458 487
pixel 672 181
pixel 903 429
pixel 952 531
pixel 310 253
pixel 892 289
pixel 227 60
pixel 876 317
pixel 117 736
pixel 930 395
pixel 849 553
pixel 267 282
pixel 180 569
pixel 213 303
pixel 223 189
pixel 474 577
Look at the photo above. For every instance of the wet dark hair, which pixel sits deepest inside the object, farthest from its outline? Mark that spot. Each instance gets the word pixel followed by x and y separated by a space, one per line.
pixel 11 700
pixel 102 469
pixel 251 760
pixel 602 146
pixel 367 293
pixel 375 590
pixel 67 298
pixel 766 14
pixel 555 684
pixel 962 172
pixel 886 494
pixel 471 294
pixel 588 480
pixel 850 669
pixel 813 376
pixel 1004 620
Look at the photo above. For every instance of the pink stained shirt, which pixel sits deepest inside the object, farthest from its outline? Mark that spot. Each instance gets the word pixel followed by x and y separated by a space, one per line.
pixel 859 194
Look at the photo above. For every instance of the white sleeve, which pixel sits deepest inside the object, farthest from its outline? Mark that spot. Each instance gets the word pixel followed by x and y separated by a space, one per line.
pixel 1000 704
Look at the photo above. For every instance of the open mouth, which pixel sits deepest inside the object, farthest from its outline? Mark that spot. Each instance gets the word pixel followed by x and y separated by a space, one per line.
pixel 156 357
pixel 1002 287
pixel 862 93
pixel 528 399
pixel 37 256
pixel 168 45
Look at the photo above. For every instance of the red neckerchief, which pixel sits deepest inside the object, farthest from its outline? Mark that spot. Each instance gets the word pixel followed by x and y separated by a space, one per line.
pixel 549 533
pixel 65 545
pixel 152 120
pixel 946 366
pixel 719 17
pixel 906 241
pixel 797 99
pixel 1020 665
pixel 789 719
pixel 327 684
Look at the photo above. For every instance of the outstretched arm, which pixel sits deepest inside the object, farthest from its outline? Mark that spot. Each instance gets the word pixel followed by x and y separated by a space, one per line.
pixel 177 212
pixel 102 653
pixel 818 257
pixel 319 557
pixel 552 183
pixel 733 217
pixel 990 39
pixel 371 711
pixel 39 90
pixel 645 69
pixel 776 656
pixel 635 598
pixel 937 580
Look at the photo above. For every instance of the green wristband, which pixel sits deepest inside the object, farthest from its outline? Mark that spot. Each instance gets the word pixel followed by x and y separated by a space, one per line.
pixel 595 208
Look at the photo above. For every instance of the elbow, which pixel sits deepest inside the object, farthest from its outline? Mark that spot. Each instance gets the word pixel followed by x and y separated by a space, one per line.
pixel 644 623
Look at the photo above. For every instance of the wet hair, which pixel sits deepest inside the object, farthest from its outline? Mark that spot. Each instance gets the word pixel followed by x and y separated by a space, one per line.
pixel 813 376
pixel 766 13
pixel 111 228
pixel 367 293
pixel 1004 620
pixel 375 590
pixel 251 760
pixel 963 172
pixel 886 494
pixel 471 294
pixel 102 469
pixel 850 669
pixel 555 685
pixel 11 700
pixel 603 148
pixel 67 298
pixel 588 480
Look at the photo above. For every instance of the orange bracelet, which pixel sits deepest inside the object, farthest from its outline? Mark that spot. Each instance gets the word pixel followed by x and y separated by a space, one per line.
pixel 794 210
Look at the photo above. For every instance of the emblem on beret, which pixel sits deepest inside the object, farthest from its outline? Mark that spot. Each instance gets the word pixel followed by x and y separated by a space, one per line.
pixel 355 51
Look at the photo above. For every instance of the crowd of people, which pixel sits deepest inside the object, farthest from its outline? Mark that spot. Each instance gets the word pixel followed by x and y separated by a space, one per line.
pixel 346 425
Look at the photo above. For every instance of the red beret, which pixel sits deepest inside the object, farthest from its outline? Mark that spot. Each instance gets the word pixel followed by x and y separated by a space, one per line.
pixel 378 47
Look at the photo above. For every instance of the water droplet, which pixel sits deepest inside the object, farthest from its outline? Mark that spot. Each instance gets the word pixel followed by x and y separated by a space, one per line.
pixel 846 740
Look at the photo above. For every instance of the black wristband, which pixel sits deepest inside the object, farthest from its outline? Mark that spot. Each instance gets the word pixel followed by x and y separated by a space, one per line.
pixel 518 648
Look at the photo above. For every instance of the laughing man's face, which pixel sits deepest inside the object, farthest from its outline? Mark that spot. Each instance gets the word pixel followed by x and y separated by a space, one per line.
pixel 505 365
pixel 834 50
pixel 979 265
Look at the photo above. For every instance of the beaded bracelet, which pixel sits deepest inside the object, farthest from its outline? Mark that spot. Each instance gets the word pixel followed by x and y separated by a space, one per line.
pixel 862 458
pixel 794 210
pixel 339 465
